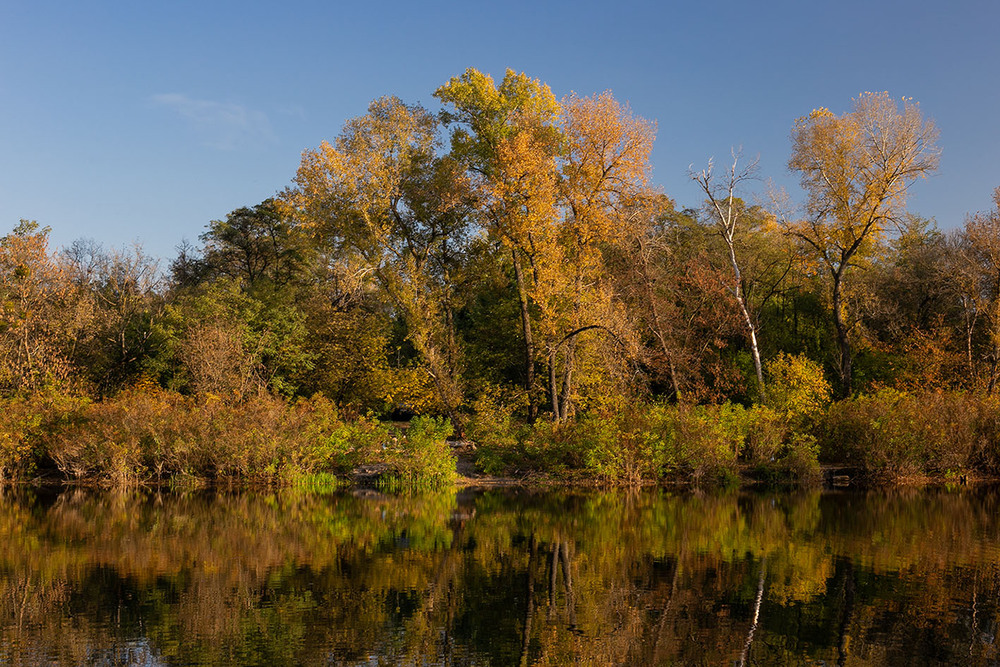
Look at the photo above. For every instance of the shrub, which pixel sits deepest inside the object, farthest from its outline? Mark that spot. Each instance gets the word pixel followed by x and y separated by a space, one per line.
pixel 152 435
pixel 797 390
pixel 28 425
pixel 892 434
pixel 422 457
pixel 497 437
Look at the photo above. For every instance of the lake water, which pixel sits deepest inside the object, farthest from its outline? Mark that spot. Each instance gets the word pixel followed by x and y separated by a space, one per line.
pixel 500 578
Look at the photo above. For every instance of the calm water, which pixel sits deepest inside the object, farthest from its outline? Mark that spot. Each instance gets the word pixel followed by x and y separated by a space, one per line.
pixel 500 578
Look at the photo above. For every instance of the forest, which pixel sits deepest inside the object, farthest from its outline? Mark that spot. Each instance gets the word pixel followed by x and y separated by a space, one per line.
pixel 504 272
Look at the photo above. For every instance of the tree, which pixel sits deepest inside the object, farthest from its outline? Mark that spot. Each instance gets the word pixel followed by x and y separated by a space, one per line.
pixel 856 169
pixel 126 305
pixel 252 244
pixel 603 188
pixel 42 314
pixel 974 279
pixel 382 200
pixel 555 184
pixel 507 138
pixel 727 210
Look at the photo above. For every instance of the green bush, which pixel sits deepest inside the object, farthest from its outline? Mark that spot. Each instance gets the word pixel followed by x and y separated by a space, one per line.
pixel 650 442
pixel 498 439
pixel 421 458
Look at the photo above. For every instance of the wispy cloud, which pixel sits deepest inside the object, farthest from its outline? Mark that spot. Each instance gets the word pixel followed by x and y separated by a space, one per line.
pixel 224 126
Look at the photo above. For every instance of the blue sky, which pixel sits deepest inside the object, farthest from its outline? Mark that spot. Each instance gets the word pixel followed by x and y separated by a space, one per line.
pixel 126 121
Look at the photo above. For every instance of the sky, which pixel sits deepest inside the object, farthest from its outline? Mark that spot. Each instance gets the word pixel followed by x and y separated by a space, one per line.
pixel 132 122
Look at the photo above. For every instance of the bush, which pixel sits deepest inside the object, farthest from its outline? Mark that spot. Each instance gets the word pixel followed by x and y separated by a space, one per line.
pixel 644 442
pixel 498 439
pixel 797 390
pixel 28 425
pixel 891 434
pixel 152 436
pixel 422 457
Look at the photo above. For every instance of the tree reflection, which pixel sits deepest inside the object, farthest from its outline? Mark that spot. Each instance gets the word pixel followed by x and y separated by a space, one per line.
pixel 502 577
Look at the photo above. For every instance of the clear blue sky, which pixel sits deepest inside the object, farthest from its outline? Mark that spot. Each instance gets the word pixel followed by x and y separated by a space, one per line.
pixel 132 121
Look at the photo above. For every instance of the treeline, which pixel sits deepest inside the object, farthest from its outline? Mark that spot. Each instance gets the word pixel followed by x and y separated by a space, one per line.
pixel 506 264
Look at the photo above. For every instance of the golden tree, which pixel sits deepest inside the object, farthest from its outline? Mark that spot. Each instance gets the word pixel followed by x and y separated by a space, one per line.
pixel 603 190
pixel 507 136
pixel 555 183
pixel 856 169
pixel 42 313
pixel 384 202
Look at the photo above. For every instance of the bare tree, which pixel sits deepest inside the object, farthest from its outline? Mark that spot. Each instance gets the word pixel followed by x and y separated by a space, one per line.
pixel 727 211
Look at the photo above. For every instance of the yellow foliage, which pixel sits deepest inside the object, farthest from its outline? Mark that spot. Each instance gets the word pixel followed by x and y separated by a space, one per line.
pixel 797 388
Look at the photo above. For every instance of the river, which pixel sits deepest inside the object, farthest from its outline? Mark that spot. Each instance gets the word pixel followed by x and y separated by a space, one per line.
pixel 500 577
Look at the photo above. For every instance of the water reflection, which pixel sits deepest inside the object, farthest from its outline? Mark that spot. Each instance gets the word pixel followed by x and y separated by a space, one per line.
pixel 500 578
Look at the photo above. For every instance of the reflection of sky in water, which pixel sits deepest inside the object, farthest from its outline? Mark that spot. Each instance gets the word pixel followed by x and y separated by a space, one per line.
pixel 500 578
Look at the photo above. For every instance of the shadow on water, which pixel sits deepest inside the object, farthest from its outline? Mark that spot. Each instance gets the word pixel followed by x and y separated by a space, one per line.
pixel 500 577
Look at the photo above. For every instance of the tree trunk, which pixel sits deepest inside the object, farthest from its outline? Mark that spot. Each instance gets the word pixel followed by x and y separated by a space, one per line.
pixel 747 319
pixel 565 399
pixel 843 343
pixel 529 344
pixel 553 385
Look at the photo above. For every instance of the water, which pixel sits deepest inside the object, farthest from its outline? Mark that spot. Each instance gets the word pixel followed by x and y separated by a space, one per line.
pixel 500 578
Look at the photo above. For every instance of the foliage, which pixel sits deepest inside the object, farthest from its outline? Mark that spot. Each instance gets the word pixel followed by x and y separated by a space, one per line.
pixel 421 457
pixel 495 431
pixel 893 435
pixel 856 169
pixel 29 425
pixel 797 388
pixel 405 275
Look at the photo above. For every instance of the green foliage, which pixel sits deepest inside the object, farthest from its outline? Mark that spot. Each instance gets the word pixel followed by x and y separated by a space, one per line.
pixel 421 457
pixel 494 431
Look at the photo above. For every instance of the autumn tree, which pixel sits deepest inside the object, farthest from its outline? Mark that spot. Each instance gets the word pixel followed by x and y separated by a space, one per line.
pixel 603 189
pixel 679 299
pixel 507 137
pixel 856 169
pixel 555 182
pixel 42 314
pixel 383 201
pixel 124 290
pixel 974 281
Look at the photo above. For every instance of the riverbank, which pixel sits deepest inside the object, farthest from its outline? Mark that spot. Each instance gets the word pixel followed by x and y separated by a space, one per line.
pixel 151 437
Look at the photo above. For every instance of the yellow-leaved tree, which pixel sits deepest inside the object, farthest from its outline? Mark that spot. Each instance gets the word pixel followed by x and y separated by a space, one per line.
pixel 856 169
pixel 507 137
pixel 555 183
pixel 382 200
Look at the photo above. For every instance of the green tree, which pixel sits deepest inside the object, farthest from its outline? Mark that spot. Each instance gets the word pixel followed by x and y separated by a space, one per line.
pixel 252 243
